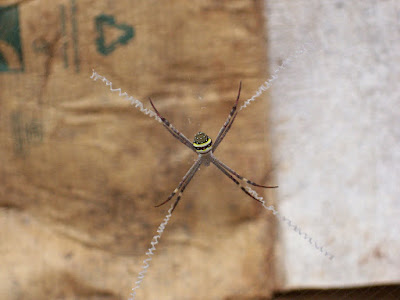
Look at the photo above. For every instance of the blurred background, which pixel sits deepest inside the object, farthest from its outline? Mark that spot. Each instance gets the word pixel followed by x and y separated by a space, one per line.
pixel 81 169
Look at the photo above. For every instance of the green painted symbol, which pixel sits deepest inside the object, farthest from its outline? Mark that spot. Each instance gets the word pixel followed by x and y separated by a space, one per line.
pixel 11 59
pixel 107 22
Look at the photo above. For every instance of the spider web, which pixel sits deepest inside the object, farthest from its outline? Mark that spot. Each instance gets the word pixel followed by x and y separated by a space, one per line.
pixel 265 86
pixel 352 61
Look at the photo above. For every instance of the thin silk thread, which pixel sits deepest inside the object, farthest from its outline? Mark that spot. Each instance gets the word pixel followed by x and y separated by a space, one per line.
pixel 267 84
pixel 149 253
pixel 133 101
pixel 292 225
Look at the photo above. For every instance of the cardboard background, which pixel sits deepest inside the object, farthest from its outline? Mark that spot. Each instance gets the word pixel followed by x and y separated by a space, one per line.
pixel 81 169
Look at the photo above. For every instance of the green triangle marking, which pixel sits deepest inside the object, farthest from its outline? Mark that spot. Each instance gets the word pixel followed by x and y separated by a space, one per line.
pixel 106 20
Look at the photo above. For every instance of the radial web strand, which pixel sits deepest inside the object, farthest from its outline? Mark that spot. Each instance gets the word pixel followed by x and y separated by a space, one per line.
pixel 149 253
pixel 305 48
pixel 133 101
pixel 292 225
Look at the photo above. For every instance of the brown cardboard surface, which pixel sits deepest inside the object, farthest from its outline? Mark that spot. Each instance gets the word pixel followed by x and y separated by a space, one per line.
pixel 81 169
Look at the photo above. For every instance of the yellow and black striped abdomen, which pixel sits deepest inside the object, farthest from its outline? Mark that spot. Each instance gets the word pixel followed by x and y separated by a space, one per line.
pixel 202 143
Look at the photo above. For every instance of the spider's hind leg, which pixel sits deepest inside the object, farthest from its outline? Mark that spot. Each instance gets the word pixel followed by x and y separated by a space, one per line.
pixel 183 184
pixel 217 161
pixel 234 180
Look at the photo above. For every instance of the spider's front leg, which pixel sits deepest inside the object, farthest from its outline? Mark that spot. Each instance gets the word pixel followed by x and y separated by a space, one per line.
pixel 175 132
pixel 228 123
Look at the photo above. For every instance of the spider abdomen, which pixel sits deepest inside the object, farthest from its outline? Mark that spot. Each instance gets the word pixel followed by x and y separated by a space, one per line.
pixel 202 143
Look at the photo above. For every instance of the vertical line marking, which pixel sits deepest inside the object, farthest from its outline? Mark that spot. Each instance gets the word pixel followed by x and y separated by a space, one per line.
pixel 75 35
pixel 64 35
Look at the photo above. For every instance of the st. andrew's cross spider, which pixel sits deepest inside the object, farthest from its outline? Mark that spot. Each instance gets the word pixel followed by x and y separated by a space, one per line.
pixel 203 145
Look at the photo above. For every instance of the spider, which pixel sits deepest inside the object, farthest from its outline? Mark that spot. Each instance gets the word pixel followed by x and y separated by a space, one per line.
pixel 205 149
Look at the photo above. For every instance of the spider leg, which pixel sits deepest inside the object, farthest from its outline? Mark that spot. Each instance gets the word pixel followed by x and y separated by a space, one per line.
pixel 235 181
pixel 217 161
pixel 175 132
pixel 182 185
pixel 182 189
pixel 228 123
pixel 226 131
